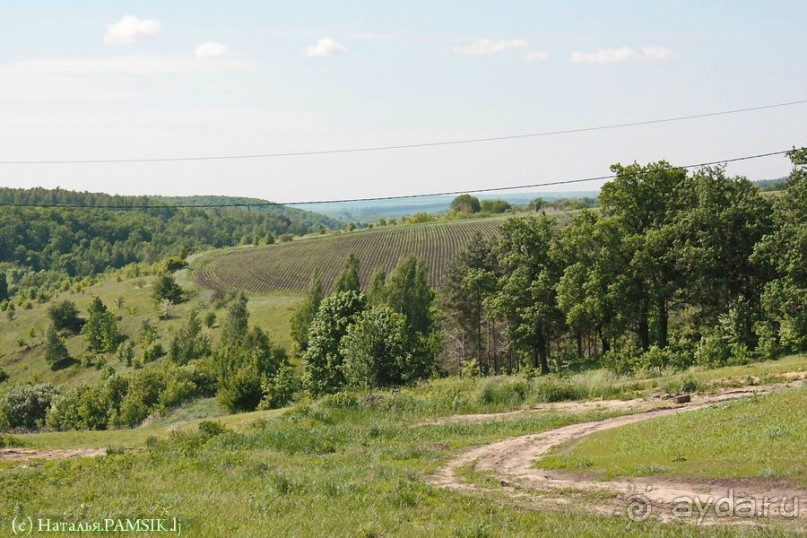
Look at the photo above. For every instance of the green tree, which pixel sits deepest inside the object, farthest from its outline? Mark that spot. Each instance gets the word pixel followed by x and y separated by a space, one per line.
pixel 302 318
pixel 3 287
pixel 645 201
pixel 55 349
pixel 407 292
pixel 526 290
pixel 236 324
pixel 494 206
pixel 348 280
pixel 189 343
pixel 784 251
pixel 465 203
pixel 246 368
pixel 470 281
pixel 377 289
pixel 716 235
pixel 101 330
pixel 376 351
pixel 323 358
pixel 64 316
pixel 167 289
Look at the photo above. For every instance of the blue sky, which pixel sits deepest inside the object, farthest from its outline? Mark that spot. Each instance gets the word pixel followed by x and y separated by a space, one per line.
pixel 147 79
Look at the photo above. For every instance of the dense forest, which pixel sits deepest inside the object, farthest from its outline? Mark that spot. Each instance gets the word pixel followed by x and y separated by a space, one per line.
pixel 675 269
pixel 47 236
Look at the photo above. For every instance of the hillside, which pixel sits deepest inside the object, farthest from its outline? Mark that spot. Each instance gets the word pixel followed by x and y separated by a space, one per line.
pixel 287 267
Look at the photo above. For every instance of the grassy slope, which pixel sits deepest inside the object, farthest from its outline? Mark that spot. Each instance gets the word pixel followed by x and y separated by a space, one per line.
pixel 26 363
pixel 323 469
pixel 761 437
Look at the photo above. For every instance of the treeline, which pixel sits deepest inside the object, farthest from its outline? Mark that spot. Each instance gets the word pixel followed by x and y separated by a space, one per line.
pixel 64 242
pixel 676 268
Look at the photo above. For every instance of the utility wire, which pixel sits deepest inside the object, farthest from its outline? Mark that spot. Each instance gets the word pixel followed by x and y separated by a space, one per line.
pixel 380 198
pixel 409 146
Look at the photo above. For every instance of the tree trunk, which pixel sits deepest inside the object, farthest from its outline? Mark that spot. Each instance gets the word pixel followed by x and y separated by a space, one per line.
pixel 643 329
pixel 545 358
pixel 663 322
pixel 579 336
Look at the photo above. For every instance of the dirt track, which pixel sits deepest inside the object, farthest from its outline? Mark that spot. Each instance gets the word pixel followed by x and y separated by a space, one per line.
pixel 512 462
pixel 27 454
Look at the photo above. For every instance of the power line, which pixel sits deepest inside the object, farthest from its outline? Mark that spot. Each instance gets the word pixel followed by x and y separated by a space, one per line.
pixel 380 198
pixel 409 146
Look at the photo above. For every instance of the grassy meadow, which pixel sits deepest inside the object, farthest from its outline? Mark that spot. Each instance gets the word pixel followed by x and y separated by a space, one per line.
pixel 356 464
pixel 766 435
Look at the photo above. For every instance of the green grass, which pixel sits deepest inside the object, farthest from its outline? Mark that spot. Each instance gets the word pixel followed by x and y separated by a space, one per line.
pixel 315 471
pixel 26 363
pixel 761 438
pixel 345 465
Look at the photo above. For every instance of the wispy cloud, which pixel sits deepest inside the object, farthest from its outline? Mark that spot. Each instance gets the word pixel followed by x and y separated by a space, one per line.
pixel 129 29
pixel 536 56
pixel 211 50
pixel 325 46
pixel 490 46
pixel 614 55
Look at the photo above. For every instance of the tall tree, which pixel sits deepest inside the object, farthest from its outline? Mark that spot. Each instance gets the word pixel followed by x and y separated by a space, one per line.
pixel 526 295
pixel 376 351
pixel 377 289
pixel 644 201
pixel 101 330
pixel 323 358
pixel 465 203
pixel 302 318
pixel 348 280
pixel 236 324
pixel 470 280
pixel 55 349
pixel 785 251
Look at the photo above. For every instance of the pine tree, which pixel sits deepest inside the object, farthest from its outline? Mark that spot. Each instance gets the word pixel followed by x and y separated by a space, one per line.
pixel 349 278
pixel 302 318
pixel 55 349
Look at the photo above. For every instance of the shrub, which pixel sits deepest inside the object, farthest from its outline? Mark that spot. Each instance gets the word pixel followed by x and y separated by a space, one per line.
pixel 25 406
pixel 167 289
pixel 504 392
pixel 64 316
pixel 556 390
pixel 281 389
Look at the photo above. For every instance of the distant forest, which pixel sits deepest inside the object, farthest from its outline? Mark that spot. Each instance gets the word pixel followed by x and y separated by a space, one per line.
pixel 80 234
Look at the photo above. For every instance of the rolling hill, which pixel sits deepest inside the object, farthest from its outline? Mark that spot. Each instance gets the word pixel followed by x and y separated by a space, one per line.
pixel 287 267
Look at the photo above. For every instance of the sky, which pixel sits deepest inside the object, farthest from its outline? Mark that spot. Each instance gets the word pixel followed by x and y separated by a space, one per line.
pixel 99 80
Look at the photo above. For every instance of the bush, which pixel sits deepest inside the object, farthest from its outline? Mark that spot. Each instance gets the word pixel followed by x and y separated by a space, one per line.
pixel 504 392
pixel 622 361
pixel 3 376
pixel 64 316
pixel 25 406
pixel 281 389
pixel 240 390
pixel 556 390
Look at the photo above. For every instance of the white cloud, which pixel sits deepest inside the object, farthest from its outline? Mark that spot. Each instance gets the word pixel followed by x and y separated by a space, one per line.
pixel 609 56
pixel 536 56
pixel 658 53
pixel 603 56
pixel 489 46
pixel 211 50
pixel 129 29
pixel 325 46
